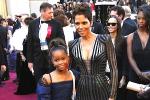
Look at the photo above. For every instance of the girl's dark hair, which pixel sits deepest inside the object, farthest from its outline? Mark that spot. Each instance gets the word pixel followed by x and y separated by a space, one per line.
pixel 57 44
pixel 146 10
pixel 83 9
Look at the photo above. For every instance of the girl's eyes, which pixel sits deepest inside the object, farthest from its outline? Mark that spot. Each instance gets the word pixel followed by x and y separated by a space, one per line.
pixel 59 59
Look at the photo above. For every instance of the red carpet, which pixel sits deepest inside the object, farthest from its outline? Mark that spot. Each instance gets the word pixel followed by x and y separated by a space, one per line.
pixel 7 91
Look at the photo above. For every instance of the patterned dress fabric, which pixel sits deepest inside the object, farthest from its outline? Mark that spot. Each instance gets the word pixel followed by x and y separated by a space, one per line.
pixel 93 84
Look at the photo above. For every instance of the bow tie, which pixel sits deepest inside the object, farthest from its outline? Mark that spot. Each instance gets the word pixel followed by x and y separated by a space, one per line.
pixel 48 21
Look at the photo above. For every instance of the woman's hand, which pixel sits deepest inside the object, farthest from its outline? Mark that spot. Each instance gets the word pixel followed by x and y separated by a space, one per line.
pixel 46 79
pixel 145 76
pixel 3 68
pixel 111 99
pixel 122 82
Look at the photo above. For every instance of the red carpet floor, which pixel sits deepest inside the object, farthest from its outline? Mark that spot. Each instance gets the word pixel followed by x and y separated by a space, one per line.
pixel 7 91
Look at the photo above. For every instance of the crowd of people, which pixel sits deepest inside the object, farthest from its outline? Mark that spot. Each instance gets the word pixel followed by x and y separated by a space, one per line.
pixel 64 54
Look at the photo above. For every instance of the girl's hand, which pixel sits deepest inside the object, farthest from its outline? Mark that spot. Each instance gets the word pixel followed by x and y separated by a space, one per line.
pixel 46 79
pixel 122 82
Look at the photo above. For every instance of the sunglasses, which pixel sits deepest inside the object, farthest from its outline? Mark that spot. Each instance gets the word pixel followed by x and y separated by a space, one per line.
pixel 112 24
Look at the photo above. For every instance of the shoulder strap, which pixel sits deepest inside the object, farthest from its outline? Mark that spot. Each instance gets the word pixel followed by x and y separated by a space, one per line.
pixel 74 89
pixel 50 77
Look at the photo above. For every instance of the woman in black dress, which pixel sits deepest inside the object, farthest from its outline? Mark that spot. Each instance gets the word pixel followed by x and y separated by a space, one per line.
pixel 119 42
pixel 89 55
pixel 26 80
pixel 138 49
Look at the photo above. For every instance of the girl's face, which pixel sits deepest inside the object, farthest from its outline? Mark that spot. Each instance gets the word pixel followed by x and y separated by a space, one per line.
pixel 82 25
pixel 112 25
pixel 60 60
pixel 141 19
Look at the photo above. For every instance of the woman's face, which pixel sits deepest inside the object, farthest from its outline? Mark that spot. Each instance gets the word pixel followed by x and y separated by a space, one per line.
pixel 60 60
pixel 112 25
pixel 82 25
pixel 141 19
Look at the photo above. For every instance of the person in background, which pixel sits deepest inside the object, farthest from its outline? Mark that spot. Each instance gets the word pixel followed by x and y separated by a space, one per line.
pixel 2 64
pixel 33 15
pixel 3 41
pixel 26 81
pixel 119 42
pixel 41 31
pixel 17 24
pixel 59 81
pixel 89 55
pixel 129 25
pixel 138 49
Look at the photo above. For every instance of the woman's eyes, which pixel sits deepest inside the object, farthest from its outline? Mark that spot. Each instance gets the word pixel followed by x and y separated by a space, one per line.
pixel 83 23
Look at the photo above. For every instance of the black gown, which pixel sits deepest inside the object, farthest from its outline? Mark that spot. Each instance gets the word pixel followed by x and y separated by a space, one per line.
pixel 142 58
pixel 26 81
pixel 58 90
pixel 93 84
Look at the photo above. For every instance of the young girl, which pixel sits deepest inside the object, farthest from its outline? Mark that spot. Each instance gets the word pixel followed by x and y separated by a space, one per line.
pixel 59 81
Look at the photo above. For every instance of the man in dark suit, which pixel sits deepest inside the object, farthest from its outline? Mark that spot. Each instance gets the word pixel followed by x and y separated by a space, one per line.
pixel 128 25
pixel 41 31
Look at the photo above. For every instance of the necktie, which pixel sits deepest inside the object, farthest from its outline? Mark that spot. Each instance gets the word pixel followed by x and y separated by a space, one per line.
pixel 48 21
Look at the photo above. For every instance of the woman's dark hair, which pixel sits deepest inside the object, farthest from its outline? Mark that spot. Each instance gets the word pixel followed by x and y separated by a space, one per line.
pixel 146 11
pixel 62 19
pixel 10 22
pixel 57 44
pixel 83 9
pixel 119 37
pixel 28 20
pixel 58 12
pixel 33 15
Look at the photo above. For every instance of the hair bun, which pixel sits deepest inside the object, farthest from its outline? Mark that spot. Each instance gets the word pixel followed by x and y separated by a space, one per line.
pixel 57 42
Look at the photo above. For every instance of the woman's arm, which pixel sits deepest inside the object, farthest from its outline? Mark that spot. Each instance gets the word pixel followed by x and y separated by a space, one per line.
pixel 113 66
pixel 131 59
pixel 130 55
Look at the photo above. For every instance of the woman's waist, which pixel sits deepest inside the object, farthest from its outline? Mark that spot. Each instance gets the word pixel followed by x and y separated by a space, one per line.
pixel 93 74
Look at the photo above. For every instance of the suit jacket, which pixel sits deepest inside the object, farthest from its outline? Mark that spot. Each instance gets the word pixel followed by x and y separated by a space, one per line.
pixel 3 44
pixel 2 59
pixel 3 36
pixel 129 26
pixel 33 42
